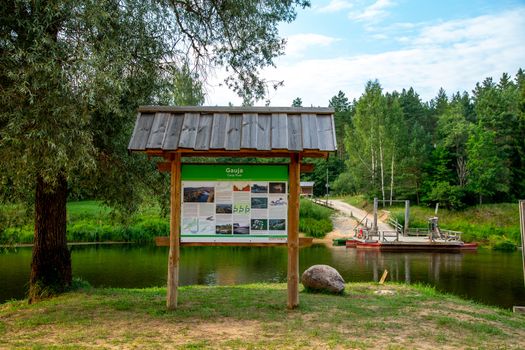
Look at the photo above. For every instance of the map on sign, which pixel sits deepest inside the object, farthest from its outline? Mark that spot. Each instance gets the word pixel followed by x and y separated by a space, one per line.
pixel 234 203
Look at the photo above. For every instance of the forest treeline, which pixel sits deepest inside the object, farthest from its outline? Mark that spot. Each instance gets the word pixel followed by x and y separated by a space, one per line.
pixel 454 150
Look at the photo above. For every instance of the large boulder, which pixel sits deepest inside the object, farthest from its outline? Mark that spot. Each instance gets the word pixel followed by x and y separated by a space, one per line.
pixel 323 278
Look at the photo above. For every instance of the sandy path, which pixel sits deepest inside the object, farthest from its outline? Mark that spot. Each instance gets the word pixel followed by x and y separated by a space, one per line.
pixel 359 214
pixel 345 219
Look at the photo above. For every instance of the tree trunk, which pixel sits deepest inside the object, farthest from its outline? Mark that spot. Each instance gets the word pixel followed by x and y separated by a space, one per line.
pixel 51 263
pixel 461 171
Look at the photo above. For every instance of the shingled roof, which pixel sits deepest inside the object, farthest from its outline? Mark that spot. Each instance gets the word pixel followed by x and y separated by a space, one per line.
pixel 168 129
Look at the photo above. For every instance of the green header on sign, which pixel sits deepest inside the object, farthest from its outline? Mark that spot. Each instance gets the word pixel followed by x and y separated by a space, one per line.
pixel 234 172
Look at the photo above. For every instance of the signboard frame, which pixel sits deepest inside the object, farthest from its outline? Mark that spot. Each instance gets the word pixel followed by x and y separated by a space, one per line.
pixel 234 203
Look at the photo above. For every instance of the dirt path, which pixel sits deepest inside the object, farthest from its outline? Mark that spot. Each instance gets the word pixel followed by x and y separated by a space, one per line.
pixel 359 214
pixel 346 218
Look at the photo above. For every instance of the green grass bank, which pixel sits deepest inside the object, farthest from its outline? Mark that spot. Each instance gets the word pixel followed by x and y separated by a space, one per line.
pixel 494 225
pixel 367 316
pixel 91 221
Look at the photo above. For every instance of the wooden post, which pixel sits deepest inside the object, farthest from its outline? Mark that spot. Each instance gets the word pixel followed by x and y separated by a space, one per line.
pixel 173 260
pixel 293 232
pixel 383 277
pixel 522 228
pixel 407 216
pixel 374 228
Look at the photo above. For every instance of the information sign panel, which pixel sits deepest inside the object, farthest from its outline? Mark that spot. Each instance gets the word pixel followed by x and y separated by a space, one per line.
pixel 234 203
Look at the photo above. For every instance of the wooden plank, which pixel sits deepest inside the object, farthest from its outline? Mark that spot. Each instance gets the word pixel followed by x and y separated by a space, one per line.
pixel 236 110
pixel 293 231
pixel 279 131
pixel 173 131
pixel 519 309
pixel 383 277
pixel 233 133
pixel 264 132
pixel 325 133
pixel 189 130
pixel 164 241
pixel 218 133
pixel 309 129
pixel 158 131
pixel 175 212
pixel 249 130
pixel 202 140
pixel 295 142
pixel 140 136
pixel 242 153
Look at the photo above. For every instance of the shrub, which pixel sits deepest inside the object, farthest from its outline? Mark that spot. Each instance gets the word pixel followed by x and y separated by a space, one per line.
pixel 315 228
pixel 502 243
pixel 14 235
pixel 314 220
pixel 309 209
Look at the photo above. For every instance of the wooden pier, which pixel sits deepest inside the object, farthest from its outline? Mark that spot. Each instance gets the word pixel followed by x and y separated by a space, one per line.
pixel 412 246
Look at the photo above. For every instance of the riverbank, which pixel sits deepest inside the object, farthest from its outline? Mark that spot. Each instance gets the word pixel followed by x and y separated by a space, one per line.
pixel 491 225
pixel 367 316
pixel 92 221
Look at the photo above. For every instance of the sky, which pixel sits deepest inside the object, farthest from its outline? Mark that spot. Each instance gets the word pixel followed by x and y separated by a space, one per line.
pixel 339 45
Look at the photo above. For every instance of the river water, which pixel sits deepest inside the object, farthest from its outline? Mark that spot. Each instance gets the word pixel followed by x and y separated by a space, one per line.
pixel 489 277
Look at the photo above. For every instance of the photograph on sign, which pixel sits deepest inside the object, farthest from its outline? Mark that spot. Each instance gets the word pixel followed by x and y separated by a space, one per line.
pixel 234 203
pixel 199 194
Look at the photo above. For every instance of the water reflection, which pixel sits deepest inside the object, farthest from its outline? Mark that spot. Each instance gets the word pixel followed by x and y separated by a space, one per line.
pixel 486 276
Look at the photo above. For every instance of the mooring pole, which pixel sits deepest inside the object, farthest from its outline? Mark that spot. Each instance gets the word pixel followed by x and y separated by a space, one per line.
pixel 293 232
pixel 522 228
pixel 173 260
pixel 407 216
pixel 374 228
pixel 521 309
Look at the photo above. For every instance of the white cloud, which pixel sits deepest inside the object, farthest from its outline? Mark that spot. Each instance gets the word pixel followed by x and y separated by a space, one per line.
pixel 335 6
pixel 298 44
pixel 373 13
pixel 454 55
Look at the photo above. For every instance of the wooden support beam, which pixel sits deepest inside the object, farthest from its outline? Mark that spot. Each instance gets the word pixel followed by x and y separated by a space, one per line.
pixel 175 212
pixel 164 241
pixel 242 153
pixel 293 231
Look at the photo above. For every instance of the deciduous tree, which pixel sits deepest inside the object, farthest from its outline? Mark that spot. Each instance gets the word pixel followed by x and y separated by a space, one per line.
pixel 71 74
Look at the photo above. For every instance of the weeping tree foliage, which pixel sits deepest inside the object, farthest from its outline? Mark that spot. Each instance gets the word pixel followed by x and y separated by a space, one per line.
pixel 71 75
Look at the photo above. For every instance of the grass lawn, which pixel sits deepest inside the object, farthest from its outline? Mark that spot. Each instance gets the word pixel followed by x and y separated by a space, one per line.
pixel 367 316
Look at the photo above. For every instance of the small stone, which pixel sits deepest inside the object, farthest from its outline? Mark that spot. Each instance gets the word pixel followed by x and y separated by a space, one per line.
pixel 323 278
pixel 384 292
